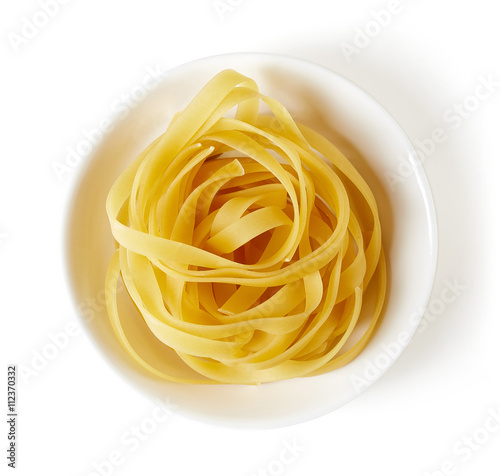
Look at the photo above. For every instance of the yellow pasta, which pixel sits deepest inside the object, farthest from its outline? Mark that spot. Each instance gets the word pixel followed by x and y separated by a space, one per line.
pixel 248 243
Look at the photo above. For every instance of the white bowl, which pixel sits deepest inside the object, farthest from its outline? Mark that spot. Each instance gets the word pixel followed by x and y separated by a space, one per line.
pixel 376 145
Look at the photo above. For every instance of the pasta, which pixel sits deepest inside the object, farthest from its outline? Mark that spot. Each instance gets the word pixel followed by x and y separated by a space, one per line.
pixel 248 243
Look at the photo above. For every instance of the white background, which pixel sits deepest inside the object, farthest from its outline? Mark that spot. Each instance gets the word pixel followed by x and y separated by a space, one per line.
pixel 64 80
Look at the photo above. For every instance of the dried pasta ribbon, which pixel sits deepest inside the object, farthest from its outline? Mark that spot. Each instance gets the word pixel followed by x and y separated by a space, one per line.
pixel 247 243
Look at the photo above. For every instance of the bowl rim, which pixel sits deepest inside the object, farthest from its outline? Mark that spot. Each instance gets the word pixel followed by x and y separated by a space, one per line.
pixel 417 169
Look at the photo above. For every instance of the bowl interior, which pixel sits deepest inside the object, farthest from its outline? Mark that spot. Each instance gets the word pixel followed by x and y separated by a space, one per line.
pixel 376 145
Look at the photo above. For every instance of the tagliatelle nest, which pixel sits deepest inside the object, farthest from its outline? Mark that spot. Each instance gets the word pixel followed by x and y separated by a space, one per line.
pixel 247 244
